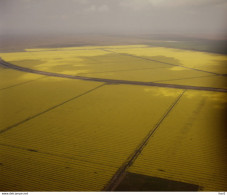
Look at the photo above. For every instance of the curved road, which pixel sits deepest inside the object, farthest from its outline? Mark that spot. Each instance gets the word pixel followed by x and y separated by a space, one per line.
pixel 109 81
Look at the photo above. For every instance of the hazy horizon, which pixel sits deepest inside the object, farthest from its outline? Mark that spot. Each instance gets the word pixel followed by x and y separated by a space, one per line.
pixel 113 16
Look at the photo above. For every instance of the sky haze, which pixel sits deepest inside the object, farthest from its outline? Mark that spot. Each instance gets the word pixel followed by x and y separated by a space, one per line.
pixel 113 16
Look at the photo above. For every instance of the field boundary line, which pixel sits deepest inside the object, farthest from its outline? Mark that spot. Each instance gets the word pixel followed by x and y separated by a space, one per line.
pixel 119 175
pixel 148 59
pixel 22 83
pixel 47 110
pixel 53 154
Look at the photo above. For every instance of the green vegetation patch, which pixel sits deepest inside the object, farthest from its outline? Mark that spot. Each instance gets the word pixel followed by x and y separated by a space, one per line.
pixel 138 182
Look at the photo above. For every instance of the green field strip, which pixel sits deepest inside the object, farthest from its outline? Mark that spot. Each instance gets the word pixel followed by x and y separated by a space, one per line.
pixel 190 145
pixel 149 75
pixel 219 67
pixel 114 182
pixel 204 61
pixel 31 171
pixel 21 103
pixel 102 127
pixel 205 81
pixel 167 63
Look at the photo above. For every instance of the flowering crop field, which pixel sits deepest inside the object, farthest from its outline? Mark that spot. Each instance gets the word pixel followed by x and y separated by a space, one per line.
pixel 96 118
pixel 190 144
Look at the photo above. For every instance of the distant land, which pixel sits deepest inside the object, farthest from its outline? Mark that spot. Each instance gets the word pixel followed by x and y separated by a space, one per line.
pixel 206 43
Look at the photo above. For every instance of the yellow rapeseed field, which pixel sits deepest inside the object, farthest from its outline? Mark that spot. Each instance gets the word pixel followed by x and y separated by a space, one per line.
pixel 28 99
pixel 62 134
pixel 101 128
pixel 190 145
pixel 193 59
pixel 9 78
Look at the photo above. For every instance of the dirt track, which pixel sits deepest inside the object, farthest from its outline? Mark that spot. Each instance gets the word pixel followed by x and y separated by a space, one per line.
pixel 109 81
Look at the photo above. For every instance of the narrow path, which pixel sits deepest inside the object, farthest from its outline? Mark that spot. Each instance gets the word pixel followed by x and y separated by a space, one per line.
pixel 148 59
pixel 73 157
pixel 22 83
pixel 110 81
pixel 119 175
pixel 47 110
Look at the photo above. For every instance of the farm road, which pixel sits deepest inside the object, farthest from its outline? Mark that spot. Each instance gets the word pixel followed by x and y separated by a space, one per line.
pixel 109 81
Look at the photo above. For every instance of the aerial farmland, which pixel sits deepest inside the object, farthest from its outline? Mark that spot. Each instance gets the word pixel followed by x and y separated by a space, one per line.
pixel 136 117
pixel 113 96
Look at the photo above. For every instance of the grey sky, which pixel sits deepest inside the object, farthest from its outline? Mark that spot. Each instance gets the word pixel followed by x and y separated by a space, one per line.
pixel 113 16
